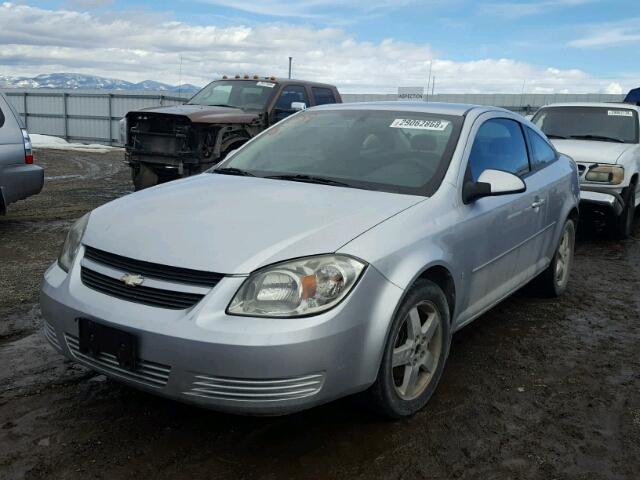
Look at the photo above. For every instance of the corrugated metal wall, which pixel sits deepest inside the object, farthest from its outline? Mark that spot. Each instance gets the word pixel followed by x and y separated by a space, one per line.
pixel 82 116
pixel 92 116
pixel 521 103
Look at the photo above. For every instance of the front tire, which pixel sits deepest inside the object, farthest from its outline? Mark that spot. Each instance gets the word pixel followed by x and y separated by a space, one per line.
pixel 623 224
pixel 553 281
pixel 143 177
pixel 415 352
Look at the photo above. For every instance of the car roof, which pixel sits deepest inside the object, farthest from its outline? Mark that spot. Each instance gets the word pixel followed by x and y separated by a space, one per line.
pixel 593 104
pixel 287 81
pixel 456 109
pixel 279 81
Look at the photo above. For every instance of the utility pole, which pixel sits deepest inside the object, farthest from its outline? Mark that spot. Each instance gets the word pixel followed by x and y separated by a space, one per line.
pixel 429 81
pixel 290 60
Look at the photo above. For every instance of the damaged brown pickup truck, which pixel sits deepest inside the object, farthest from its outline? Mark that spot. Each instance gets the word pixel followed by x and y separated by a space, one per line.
pixel 166 143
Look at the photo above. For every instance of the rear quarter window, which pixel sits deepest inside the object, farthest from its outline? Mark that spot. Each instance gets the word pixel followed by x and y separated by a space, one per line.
pixel 323 96
pixel 1 118
pixel 542 153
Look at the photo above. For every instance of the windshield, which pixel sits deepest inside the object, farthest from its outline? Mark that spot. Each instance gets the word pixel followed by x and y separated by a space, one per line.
pixel 244 94
pixel 613 124
pixel 404 152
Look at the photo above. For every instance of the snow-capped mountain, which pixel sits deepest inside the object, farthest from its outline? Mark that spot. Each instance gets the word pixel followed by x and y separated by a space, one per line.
pixel 91 82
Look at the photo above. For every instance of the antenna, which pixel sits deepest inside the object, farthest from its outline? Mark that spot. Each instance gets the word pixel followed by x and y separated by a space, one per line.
pixel 290 61
pixel 433 85
pixel 180 77
pixel 429 81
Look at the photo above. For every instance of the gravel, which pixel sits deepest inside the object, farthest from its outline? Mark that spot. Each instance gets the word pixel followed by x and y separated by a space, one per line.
pixel 534 389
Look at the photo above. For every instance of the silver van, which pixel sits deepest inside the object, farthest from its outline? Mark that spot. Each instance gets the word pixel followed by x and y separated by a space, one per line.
pixel 19 177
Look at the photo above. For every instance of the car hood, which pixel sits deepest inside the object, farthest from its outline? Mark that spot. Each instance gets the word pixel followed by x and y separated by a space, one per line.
pixel 234 225
pixel 589 151
pixel 205 114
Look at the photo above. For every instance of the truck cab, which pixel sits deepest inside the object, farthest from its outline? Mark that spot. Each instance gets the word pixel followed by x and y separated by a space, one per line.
pixel 165 143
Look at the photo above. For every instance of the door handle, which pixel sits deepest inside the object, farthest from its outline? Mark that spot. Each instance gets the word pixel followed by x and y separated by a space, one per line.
pixel 537 204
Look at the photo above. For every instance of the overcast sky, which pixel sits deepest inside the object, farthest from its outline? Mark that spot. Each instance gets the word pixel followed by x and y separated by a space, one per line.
pixel 571 46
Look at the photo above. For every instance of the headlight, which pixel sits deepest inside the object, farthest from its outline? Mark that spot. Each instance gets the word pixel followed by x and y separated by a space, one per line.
pixel 297 288
pixel 72 243
pixel 613 174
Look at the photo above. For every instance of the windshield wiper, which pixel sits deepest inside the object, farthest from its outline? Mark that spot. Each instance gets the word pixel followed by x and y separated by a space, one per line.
pixel 553 135
pixel 309 179
pixel 233 171
pixel 597 137
pixel 222 105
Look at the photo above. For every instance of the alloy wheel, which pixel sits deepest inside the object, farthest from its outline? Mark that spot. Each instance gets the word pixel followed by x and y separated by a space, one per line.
pixel 417 348
pixel 563 260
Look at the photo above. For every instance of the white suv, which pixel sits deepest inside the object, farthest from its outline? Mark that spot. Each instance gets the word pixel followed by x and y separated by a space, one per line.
pixel 603 140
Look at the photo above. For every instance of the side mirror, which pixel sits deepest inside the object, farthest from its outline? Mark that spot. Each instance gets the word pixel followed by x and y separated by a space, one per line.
pixel 492 183
pixel 297 106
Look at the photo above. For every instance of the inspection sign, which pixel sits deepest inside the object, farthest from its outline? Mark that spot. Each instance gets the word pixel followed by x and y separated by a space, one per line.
pixel 411 93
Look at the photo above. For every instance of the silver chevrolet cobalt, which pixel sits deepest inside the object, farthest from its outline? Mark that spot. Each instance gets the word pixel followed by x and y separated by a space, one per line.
pixel 335 253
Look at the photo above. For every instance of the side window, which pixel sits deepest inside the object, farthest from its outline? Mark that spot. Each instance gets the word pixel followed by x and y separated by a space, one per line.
pixel 542 153
pixel 499 145
pixel 1 118
pixel 322 96
pixel 290 94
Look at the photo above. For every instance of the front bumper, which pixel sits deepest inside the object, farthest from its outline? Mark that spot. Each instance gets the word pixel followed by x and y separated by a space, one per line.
pixel 242 365
pixel 607 200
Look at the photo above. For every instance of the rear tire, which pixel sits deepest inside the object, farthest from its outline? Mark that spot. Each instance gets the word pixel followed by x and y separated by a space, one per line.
pixel 622 224
pixel 143 177
pixel 553 281
pixel 415 352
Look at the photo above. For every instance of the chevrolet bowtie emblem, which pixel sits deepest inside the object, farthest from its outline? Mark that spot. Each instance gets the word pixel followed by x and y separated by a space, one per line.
pixel 132 280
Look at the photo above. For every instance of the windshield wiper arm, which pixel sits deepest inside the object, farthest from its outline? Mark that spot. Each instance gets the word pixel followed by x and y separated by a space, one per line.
pixel 598 137
pixel 309 179
pixel 553 135
pixel 233 171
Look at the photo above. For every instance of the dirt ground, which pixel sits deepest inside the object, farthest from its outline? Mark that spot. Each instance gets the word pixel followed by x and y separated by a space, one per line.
pixel 535 389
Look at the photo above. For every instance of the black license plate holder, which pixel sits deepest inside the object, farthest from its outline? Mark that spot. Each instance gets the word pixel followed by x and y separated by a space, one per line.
pixel 95 338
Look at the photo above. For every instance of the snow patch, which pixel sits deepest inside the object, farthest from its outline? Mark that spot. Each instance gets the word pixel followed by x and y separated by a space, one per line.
pixel 56 143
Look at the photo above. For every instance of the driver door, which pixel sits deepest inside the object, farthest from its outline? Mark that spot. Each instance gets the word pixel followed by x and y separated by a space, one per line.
pixel 499 234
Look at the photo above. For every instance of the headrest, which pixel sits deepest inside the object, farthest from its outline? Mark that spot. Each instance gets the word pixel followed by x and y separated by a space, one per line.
pixel 423 142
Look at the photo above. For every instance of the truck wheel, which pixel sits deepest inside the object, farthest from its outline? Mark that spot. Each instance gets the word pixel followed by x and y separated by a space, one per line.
pixel 414 354
pixel 623 223
pixel 143 177
pixel 553 281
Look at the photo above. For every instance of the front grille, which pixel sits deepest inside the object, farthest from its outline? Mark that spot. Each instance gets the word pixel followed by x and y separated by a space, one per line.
pixel 243 390
pixel 148 373
pixel 154 270
pixel 154 297
pixel 51 335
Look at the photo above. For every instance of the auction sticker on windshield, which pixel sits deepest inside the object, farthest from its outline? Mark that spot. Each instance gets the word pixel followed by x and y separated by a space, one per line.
pixel 265 84
pixel 438 125
pixel 620 113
